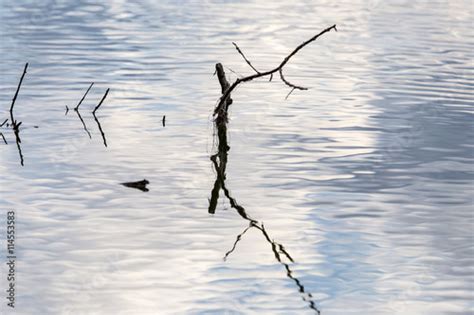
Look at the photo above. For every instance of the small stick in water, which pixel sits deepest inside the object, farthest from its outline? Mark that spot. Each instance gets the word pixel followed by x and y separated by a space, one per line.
pixel 101 101
pixel 83 97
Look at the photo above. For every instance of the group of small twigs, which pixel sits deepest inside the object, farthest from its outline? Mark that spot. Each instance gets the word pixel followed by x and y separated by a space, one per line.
pixel 15 125
pixel 219 159
pixel 76 110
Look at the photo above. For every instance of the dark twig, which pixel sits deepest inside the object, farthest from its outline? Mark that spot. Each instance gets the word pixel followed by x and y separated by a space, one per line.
pixel 67 111
pixel 101 101
pixel 83 97
pixel 245 58
pixel 163 121
pixel 3 123
pixel 291 85
pixel 14 124
pixel 16 95
pixel 221 108
pixel 97 120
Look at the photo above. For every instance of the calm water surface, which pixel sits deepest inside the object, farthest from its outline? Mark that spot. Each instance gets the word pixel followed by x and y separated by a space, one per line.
pixel 366 179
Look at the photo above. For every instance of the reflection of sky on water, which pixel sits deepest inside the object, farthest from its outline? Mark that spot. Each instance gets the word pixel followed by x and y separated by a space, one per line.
pixel 365 178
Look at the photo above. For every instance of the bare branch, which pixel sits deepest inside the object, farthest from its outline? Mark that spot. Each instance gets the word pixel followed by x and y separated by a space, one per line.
pixel 221 109
pixel 3 123
pixel 245 58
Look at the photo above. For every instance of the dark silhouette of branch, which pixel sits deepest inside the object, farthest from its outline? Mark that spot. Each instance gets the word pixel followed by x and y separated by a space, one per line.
pixel 245 58
pixel 14 124
pixel 291 85
pixel 224 84
pixel 219 161
pixel 16 95
pixel 163 121
pixel 221 109
pixel 101 101
pixel 3 123
pixel 83 97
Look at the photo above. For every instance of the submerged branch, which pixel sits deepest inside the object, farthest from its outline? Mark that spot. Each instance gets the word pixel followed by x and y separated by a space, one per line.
pixel 83 123
pixel 100 129
pixel 219 161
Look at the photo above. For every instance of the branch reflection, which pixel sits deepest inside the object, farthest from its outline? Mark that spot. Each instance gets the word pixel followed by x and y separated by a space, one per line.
pixel 219 161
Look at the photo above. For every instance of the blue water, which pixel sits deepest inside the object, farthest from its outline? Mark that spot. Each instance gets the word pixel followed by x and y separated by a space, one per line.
pixel 366 178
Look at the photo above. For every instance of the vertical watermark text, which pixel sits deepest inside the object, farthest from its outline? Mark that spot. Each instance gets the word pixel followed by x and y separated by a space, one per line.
pixel 11 259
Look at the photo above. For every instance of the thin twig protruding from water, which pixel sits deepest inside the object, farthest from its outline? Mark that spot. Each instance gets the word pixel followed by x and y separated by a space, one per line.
pixel 16 95
pixel 101 101
pixel 83 97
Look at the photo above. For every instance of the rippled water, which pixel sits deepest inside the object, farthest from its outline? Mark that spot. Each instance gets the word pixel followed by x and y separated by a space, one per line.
pixel 366 179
